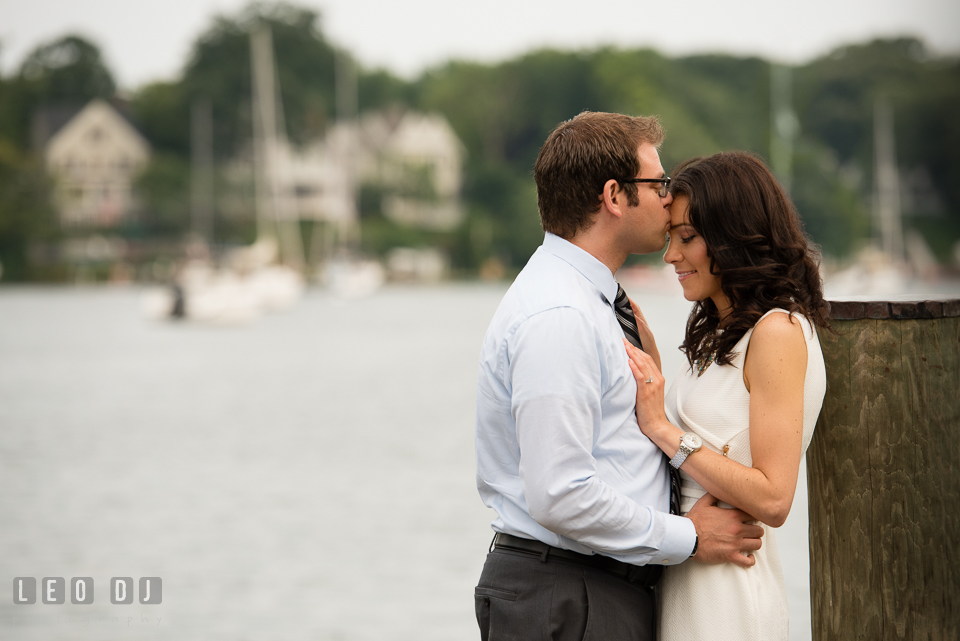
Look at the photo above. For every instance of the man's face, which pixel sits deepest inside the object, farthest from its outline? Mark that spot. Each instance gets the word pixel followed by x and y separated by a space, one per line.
pixel 648 222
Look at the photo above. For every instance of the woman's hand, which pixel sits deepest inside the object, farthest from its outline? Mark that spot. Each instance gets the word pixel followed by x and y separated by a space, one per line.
pixel 650 384
pixel 646 336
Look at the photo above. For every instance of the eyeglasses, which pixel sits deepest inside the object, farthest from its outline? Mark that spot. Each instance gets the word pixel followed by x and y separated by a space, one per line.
pixel 664 183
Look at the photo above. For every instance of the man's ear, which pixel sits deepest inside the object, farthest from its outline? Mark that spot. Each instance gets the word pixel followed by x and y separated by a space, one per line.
pixel 611 197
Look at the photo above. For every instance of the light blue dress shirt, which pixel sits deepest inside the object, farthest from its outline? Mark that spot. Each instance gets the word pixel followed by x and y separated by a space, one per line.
pixel 560 457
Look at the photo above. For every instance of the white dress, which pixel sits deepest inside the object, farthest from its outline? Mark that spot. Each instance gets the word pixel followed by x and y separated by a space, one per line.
pixel 719 602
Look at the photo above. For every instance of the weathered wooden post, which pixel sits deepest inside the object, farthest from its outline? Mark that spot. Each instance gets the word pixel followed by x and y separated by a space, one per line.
pixel 883 474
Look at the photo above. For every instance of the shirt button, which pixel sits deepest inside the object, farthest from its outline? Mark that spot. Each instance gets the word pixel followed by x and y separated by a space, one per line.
pixel 665 561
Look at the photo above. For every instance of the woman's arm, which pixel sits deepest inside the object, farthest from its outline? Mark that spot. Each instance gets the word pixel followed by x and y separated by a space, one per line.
pixel 774 371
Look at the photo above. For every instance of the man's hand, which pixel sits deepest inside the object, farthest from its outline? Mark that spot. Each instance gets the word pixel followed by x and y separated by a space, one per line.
pixel 724 534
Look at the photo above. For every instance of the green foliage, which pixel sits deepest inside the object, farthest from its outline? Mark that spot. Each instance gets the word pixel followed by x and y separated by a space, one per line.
pixel 66 72
pixel 379 88
pixel 162 114
pixel 836 97
pixel 164 189
pixel 503 220
pixel 835 94
pixel 941 236
pixel 542 89
pixel 502 113
pixel 378 235
pixel 707 104
pixel 370 201
pixel 416 181
pixel 26 214
pixel 10 114
pixel 512 108
pixel 69 69
pixel 833 213
pixel 470 96
pixel 928 133
pixel 726 100
pixel 220 69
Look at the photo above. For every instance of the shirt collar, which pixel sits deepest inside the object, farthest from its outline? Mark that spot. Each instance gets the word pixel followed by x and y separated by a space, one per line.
pixel 585 263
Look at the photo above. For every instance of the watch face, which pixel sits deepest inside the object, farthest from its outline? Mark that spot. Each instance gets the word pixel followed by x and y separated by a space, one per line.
pixel 692 441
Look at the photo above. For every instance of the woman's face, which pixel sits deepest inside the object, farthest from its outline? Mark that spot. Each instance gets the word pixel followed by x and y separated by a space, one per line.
pixel 687 252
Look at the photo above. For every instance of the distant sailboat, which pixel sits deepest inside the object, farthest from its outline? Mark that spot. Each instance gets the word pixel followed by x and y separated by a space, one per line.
pixel 897 264
pixel 345 273
pixel 268 275
pixel 277 218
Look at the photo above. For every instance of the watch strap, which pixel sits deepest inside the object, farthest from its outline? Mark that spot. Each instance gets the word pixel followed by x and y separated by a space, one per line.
pixel 680 456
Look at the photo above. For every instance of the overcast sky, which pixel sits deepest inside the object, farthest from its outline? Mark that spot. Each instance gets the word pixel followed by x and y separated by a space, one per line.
pixel 145 41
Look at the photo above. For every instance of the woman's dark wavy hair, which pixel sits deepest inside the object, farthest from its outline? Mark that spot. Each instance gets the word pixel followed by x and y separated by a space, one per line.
pixel 756 245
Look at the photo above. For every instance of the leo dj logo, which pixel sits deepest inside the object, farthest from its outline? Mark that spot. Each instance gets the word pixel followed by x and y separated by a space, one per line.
pixel 53 590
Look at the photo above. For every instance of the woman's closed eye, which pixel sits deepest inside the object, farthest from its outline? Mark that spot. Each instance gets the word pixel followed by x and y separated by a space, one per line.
pixel 682 239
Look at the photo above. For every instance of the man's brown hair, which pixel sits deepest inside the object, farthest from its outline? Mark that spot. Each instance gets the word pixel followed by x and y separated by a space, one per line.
pixel 579 157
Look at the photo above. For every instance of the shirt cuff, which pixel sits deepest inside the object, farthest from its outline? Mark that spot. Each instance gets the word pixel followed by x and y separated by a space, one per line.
pixel 678 541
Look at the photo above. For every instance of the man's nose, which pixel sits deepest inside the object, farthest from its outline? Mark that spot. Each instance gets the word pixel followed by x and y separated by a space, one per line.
pixel 666 200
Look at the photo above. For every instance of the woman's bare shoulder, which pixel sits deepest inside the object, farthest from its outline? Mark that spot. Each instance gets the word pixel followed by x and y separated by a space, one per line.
pixel 779 326
pixel 778 342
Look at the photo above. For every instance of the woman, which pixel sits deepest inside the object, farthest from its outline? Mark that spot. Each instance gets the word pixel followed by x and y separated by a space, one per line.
pixel 751 390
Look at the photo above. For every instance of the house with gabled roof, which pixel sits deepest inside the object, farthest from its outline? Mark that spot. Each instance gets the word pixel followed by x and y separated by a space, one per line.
pixel 94 159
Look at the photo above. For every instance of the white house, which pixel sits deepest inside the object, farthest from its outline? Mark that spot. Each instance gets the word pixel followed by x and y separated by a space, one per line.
pixel 416 158
pixel 323 177
pixel 94 159
pixel 422 161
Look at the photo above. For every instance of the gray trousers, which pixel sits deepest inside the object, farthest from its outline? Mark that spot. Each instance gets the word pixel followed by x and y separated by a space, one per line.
pixel 520 598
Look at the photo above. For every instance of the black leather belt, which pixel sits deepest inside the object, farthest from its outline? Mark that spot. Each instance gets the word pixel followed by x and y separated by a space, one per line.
pixel 644 575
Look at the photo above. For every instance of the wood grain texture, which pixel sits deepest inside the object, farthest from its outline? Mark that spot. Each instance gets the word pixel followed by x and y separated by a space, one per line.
pixel 900 310
pixel 884 482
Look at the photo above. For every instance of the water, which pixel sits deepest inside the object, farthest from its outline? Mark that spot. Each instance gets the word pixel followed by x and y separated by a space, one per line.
pixel 310 476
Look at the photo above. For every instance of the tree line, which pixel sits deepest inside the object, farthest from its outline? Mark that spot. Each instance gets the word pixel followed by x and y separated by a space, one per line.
pixel 502 113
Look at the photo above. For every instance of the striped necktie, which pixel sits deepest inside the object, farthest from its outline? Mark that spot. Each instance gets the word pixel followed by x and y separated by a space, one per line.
pixel 621 305
pixel 627 320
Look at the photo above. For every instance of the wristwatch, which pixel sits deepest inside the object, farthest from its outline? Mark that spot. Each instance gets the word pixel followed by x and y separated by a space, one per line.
pixel 689 443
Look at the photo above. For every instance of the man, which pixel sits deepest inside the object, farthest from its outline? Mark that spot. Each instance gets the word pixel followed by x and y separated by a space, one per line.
pixel 581 496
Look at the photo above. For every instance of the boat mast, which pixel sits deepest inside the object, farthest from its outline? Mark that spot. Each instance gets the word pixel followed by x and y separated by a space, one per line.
pixel 201 169
pixel 784 125
pixel 886 202
pixel 277 217
pixel 347 99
